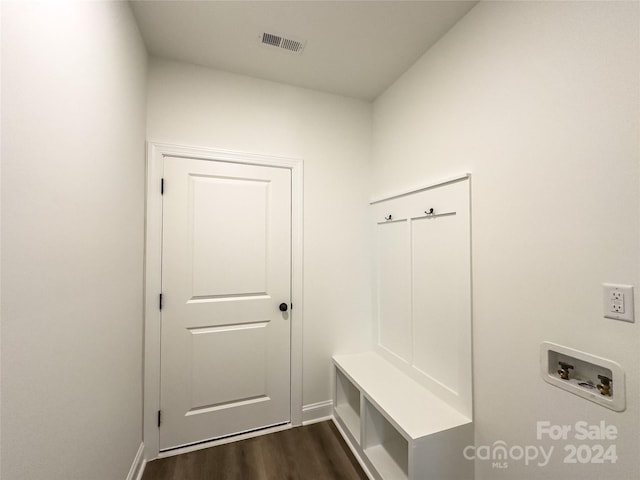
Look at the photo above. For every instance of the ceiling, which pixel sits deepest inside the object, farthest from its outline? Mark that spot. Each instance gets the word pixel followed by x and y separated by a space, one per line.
pixel 352 48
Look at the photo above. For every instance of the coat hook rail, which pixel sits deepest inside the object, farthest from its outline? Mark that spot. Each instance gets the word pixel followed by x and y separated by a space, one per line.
pixel 391 219
pixel 431 213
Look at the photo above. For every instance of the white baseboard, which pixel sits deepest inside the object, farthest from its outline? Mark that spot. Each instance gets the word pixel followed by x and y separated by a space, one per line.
pixel 141 471
pixel 137 467
pixel 317 412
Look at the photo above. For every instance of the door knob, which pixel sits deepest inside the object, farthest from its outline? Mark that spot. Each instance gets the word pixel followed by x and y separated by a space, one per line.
pixel 283 307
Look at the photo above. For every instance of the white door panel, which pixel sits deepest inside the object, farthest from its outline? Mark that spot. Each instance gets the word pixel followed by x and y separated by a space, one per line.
pixel 225 354
pixel 212 348
pixel 242 256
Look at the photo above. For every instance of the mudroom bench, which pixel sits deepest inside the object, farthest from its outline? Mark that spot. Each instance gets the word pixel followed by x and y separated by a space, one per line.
pixel 396 426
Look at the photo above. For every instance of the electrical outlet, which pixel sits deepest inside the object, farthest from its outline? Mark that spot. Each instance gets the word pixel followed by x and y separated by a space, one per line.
pixel 618 302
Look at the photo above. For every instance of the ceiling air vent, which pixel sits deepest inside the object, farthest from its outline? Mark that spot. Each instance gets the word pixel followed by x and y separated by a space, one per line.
pixel 278 41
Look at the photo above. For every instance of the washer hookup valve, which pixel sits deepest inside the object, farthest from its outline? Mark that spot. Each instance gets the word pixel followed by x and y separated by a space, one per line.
pixel 605 385
pixel 563 371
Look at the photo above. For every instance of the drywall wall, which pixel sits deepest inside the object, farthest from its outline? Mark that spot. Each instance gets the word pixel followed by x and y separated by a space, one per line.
pixel 190 105
pixel 73 115
pixel 0 245
pixel 540 101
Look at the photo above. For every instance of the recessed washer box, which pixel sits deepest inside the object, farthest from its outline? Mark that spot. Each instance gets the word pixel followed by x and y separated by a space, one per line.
pixel 585 376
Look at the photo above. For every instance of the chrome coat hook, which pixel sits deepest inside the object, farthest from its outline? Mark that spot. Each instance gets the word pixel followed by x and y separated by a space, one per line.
pixel 388 218
pixel 430 212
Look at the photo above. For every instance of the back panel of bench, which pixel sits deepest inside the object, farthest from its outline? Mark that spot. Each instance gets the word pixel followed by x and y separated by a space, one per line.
pixel 423 291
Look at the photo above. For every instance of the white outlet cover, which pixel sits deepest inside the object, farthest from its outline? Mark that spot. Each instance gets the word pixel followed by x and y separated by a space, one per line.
pixel 611 296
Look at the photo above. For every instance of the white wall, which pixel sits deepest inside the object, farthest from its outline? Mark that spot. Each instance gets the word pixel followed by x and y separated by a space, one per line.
pixel 73 115
pixel 540 101
pixel 1 133
pixel 191 105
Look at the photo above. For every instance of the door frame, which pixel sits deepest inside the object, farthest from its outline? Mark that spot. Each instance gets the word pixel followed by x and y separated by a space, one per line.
pixel 156 152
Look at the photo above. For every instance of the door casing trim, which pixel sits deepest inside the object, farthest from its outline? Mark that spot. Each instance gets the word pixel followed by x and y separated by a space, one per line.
pixel 156 152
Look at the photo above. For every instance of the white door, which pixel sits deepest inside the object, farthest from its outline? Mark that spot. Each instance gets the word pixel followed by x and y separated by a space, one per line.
pixel 226 270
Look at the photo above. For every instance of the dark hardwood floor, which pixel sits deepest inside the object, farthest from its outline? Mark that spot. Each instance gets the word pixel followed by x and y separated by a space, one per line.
pixel 312 452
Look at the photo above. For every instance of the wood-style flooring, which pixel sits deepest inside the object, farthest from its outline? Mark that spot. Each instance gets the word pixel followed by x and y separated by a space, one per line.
pixel 312 452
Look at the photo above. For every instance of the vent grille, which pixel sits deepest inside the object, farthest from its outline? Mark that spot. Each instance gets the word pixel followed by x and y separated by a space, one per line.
pixel 277 41
pixel 271 39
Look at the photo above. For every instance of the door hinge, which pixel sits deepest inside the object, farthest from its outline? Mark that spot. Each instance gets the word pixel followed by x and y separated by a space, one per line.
pixel 159 418
pixel 162 186
pixel 160 301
